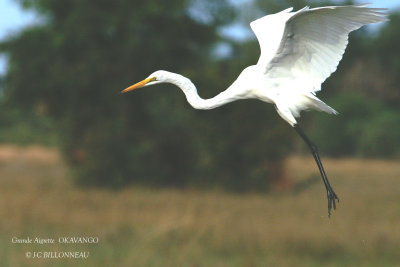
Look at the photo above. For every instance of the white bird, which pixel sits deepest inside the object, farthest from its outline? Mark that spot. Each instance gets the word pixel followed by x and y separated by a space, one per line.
pixel 299 50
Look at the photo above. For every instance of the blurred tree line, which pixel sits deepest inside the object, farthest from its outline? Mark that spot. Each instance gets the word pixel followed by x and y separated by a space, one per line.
pixel 66 73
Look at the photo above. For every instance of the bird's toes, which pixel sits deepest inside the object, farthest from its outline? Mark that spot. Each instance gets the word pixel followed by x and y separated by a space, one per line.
pixel 332 197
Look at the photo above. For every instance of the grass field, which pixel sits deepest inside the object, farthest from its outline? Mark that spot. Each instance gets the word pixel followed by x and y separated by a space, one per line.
pixel 143 227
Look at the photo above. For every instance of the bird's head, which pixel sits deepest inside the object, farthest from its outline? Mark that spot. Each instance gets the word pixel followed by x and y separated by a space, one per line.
pixel 156 77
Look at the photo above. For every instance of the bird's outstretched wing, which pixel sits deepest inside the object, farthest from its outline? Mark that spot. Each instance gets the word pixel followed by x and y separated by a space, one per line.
pixel 305 47
pixel 269 30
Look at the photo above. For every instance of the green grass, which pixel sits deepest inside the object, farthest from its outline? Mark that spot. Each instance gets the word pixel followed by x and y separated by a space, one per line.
pixel 144 227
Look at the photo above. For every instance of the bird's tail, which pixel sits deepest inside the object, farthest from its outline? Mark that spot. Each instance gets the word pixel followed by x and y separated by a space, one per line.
pixel 320 105
pixel 289 111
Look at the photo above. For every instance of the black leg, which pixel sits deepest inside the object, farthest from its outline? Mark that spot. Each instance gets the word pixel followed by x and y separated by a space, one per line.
pixel 332 197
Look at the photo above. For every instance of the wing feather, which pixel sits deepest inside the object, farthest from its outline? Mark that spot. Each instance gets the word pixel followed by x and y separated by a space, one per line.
pixel 269 30
pixel 312 42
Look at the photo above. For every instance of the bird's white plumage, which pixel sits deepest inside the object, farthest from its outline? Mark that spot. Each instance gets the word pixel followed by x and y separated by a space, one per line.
pixel 299 50
pixel 312 43
pixel 269 30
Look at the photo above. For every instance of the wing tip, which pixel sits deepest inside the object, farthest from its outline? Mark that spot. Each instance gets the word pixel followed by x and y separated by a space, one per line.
pixel 287 10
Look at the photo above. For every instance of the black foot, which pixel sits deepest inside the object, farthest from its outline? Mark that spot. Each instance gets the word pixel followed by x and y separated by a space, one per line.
pixel 332 197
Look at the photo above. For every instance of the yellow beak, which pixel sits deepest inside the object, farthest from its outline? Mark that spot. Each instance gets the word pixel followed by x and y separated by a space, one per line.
pixel 138 85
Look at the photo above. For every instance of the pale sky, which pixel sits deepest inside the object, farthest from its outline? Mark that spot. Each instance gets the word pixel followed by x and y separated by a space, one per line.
pixel 13 18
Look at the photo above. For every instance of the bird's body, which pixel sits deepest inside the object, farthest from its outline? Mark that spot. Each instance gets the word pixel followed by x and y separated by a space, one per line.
pixel 251 83
pixel 299 50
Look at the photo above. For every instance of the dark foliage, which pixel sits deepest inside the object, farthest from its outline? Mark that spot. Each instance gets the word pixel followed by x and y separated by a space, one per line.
pixel 75 64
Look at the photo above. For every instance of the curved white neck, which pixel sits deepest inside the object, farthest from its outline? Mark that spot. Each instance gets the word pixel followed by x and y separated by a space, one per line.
pixel 189 89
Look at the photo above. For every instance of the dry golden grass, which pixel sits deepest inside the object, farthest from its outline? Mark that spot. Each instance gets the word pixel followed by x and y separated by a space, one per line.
pixel 143 227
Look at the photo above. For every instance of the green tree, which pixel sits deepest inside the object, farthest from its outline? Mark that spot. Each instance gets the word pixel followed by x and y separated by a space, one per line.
pixel 74 64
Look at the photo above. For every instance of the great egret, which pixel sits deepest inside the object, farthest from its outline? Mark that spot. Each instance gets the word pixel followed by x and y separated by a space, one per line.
pixel 299 50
